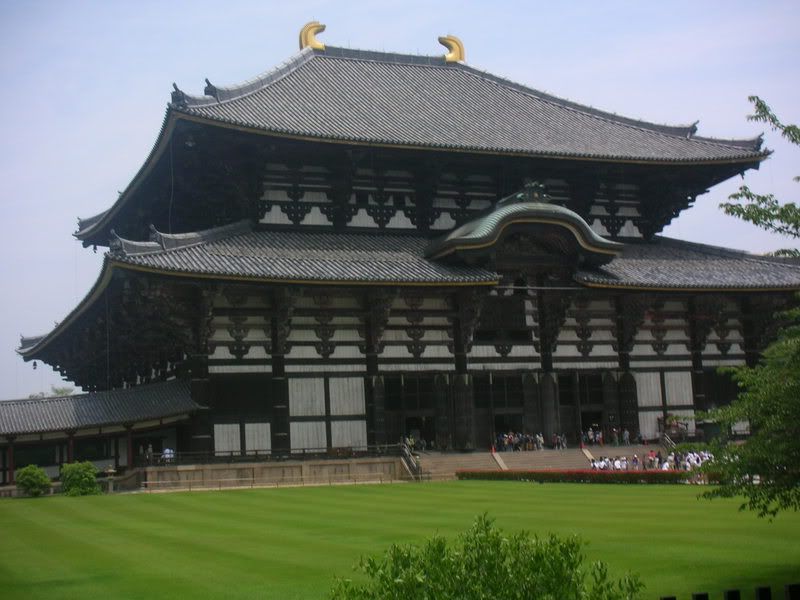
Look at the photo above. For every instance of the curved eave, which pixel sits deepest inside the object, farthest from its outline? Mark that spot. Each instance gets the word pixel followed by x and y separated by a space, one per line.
pixel 102 220
pixel 307 281
pixel 582 233
pixel 98 223
pixel 91 297
pixel 86 430
pixel 755 157
pixel 110 265
pixel 688 289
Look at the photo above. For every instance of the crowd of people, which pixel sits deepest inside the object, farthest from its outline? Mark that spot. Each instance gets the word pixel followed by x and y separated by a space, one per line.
pixel 594 436
pixel 653 460
pixel 517 442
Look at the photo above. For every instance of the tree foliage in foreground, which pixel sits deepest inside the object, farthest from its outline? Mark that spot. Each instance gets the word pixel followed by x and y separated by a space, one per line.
pixel 765 470
pixel 765 210
pixel 486 563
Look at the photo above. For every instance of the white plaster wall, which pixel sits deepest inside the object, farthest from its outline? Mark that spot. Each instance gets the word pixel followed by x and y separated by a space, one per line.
pixel 257 437
pixel 306 397
pixel 347 395
pixel 648 424
pixel 648 389
pixel 226 437
pixel 308 435
pixel 678 386
pixel 349 434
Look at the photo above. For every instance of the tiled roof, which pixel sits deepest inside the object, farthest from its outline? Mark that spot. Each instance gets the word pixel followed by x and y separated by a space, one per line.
pixel 294 256
pixel 420 101
pixel 675 264
pixel 141 403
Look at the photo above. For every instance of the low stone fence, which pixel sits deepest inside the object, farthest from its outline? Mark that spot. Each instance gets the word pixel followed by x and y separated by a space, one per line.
pixel 266 474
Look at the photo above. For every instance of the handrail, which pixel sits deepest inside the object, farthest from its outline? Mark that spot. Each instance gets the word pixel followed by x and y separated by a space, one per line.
pixel 411 461
pixel 667 442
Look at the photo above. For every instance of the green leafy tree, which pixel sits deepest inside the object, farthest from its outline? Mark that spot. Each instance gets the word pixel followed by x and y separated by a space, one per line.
pixel 765 210
pixel 33 480
pixel 79 479
pixel 484 562
pixel 765 470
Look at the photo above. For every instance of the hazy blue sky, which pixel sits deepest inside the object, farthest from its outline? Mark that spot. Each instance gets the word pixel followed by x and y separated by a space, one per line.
pixel 86 85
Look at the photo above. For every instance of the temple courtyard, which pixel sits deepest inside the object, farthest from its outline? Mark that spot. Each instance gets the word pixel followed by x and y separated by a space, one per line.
pixel 291 542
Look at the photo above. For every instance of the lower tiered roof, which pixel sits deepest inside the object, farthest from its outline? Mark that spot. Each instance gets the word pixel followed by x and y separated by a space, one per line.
pixel 83 411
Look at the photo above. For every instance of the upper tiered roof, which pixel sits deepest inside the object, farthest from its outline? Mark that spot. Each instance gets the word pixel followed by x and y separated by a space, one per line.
pixel 339 95
pixel 357 96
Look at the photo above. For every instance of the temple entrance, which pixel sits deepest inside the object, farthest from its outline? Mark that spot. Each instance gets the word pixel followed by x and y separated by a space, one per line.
pixel 507 423
pixel 591 418
pixel 421 428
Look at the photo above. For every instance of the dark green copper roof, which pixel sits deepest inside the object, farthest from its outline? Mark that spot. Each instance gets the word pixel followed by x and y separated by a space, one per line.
pixel 488 229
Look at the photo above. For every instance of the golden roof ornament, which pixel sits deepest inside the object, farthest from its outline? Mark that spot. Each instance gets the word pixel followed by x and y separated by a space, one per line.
pixel 308 35
pixel 455 47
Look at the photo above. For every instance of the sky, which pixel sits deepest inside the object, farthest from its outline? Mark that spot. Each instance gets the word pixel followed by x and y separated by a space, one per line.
pixel 87 83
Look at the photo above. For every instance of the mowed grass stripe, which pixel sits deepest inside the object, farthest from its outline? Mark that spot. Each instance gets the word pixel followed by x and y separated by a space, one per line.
pixel 289 543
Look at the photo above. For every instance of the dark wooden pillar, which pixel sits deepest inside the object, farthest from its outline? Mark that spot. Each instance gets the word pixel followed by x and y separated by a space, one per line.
pixel 70 446
pixel 531 417
pixel 378 307
pixel 10 463
pixel 129 441
pixel 463 411
pixel 463 400
pixel 548 392
pixel 377 396
pixel 611 404
pixel 442 408
pixel 699 326
pixel 749 332
pixel 280 323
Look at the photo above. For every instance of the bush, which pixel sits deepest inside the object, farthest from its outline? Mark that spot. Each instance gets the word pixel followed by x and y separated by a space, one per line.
pixel 33 480
pixel 79 479
pixel 484 562
pixel 580 476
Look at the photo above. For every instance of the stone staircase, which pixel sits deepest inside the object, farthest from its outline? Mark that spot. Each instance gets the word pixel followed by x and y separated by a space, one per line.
pixel 443 465
pixel 629 451
pixel 546 460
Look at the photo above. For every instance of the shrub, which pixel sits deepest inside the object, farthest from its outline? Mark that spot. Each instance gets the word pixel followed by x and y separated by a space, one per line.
pixel 33 480
pixel 79 479
pixel 578 476
pixel 484 562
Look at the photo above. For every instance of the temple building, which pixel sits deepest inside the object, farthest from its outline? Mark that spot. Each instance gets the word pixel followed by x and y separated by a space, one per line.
pixel 359 245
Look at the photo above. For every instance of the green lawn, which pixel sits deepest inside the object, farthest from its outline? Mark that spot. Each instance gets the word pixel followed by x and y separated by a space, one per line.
pixel 289 543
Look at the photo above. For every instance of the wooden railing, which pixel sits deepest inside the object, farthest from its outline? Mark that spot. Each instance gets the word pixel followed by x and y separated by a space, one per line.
pixel 225 457
pixel 255 482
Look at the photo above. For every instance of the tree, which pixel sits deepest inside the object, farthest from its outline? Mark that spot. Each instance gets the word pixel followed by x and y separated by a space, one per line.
pixel 33 480
pixel 485 562
pixel 79 479
pixel 764 210
pixel 765 470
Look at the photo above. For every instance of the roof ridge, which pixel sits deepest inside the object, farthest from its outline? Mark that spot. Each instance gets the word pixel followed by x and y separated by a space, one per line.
pixel 221 95
pixel 167 242
pixel 214 94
